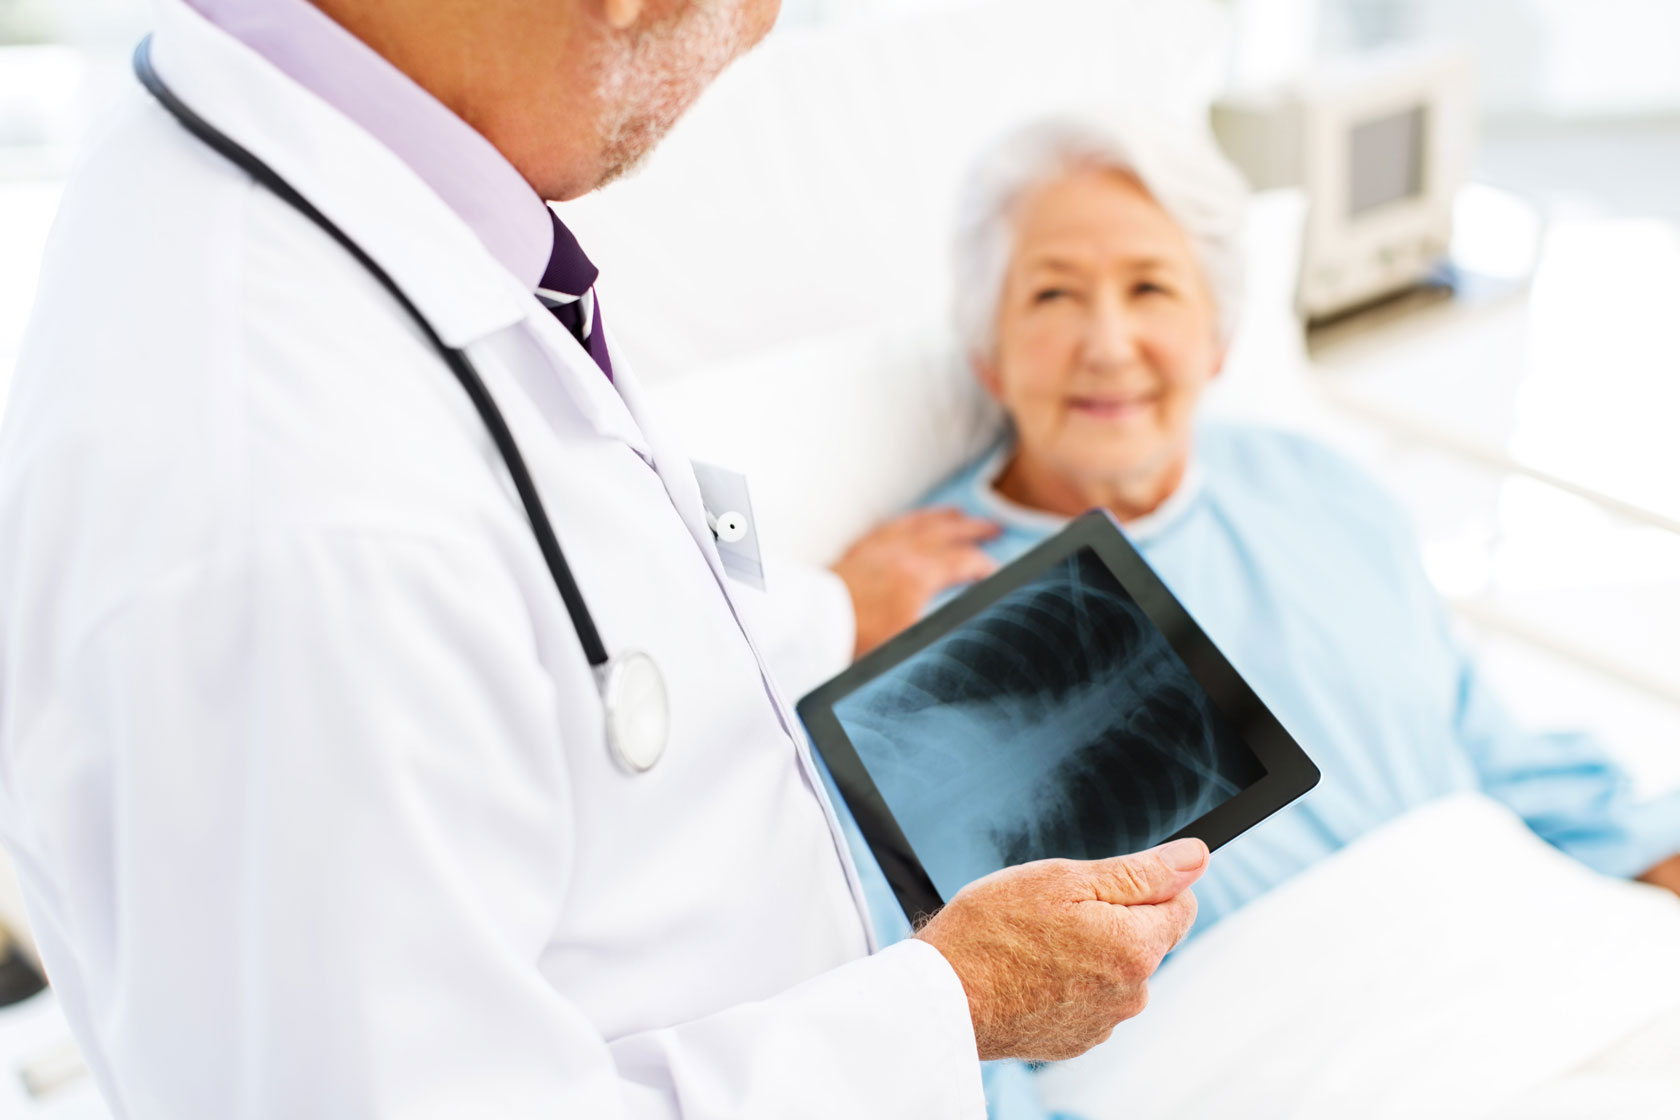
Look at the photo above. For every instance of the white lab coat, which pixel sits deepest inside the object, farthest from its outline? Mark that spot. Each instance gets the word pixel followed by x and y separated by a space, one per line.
pixel 300 760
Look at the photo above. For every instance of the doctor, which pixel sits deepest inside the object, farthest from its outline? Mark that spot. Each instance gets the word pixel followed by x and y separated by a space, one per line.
pixel 363 758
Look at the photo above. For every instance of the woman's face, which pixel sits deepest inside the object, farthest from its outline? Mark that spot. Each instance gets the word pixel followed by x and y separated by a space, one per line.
pixel 1106 337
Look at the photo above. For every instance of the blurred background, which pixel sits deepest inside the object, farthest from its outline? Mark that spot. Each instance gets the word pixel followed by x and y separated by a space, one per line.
pixel 1525 413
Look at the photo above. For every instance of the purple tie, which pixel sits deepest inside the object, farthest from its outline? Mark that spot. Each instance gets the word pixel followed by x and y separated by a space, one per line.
pixel 571 273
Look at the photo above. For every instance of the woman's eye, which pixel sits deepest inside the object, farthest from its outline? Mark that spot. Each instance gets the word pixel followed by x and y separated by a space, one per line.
pixel 1047 295
pixel 1151 288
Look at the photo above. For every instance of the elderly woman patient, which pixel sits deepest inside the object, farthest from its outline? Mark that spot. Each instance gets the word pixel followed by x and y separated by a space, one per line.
pixel 1098 278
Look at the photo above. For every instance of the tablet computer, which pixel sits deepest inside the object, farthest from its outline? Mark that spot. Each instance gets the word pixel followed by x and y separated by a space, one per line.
pixel 1068 706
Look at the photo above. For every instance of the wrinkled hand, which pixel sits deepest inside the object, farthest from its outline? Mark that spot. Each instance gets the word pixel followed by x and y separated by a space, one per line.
pixel 1053 954
pixel 895 571
pixel 1665 874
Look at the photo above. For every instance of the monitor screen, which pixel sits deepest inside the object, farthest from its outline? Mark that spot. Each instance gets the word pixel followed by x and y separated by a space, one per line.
pixel 1386 160
pixel 1056 722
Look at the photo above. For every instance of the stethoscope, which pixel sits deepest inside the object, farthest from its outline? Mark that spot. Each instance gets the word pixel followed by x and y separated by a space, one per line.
pixel 638 709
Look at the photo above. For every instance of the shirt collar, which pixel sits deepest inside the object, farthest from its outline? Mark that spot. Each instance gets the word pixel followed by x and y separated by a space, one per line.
pixel 449 155
pixel 1014 515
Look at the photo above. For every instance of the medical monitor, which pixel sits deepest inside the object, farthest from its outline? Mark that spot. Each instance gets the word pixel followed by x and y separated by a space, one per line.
pixel 1067 707
pixel 1385 157
pixel 1380 144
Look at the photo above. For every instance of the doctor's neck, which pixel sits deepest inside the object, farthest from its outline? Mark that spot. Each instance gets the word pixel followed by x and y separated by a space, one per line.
pixel 571 92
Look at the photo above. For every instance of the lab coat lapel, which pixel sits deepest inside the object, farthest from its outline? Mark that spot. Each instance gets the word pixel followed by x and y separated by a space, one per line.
pixel 360 185
pixel 676 471
pixel 596 399
pixel 618 410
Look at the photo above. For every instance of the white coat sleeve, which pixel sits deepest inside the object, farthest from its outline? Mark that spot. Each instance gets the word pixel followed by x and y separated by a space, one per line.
pixel 333 812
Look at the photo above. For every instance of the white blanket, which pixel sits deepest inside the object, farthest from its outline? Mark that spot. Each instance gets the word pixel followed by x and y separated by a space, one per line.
pixel 1447 965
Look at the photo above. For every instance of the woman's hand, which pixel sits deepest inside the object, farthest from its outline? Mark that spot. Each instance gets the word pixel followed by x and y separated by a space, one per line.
pixel 895 571
pixel 1665 874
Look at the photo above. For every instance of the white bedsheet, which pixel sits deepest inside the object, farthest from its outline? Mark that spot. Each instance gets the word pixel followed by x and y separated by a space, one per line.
pixel 1638 1077
pixel 1448 965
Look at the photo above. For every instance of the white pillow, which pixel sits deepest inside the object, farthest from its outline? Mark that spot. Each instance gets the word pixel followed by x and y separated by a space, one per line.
pixel 836 433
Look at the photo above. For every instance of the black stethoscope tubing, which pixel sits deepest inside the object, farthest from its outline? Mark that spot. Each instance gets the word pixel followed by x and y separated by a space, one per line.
pixel 459 364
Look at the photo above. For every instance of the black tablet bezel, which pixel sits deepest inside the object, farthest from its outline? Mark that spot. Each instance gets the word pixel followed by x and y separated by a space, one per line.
pixel 1289 773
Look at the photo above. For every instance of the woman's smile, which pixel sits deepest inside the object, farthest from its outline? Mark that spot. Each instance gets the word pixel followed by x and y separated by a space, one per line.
pixel 1113 408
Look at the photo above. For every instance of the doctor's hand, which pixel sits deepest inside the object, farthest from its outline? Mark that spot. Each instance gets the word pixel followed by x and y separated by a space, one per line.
pixel 895 571
pixel 1053 954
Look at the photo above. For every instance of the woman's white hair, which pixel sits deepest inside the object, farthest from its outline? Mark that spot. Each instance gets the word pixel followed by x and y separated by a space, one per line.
pixel 1179 168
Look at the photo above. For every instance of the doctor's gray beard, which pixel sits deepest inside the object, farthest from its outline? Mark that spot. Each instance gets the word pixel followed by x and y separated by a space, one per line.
pixel 659 75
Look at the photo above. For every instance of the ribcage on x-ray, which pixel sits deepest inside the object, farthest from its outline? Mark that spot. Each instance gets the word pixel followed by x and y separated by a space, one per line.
pixel 1073 716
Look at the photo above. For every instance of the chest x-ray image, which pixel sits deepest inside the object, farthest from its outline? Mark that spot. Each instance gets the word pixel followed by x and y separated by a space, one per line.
pixel 1058 722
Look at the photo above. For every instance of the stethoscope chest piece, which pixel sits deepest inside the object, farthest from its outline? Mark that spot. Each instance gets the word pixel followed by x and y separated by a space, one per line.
pixel 638 710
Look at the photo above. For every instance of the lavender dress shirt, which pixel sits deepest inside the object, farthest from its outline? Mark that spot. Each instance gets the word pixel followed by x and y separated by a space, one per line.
pixel 452 157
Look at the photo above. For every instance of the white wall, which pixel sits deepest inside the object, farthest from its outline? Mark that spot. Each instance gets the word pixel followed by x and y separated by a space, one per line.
pixel 29 21
pixel 1539 58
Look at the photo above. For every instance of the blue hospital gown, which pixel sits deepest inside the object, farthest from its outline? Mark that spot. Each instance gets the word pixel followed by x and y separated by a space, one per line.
pixel 1306 575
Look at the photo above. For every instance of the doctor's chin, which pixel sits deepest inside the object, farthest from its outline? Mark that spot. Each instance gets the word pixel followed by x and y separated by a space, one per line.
pixel 855 559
